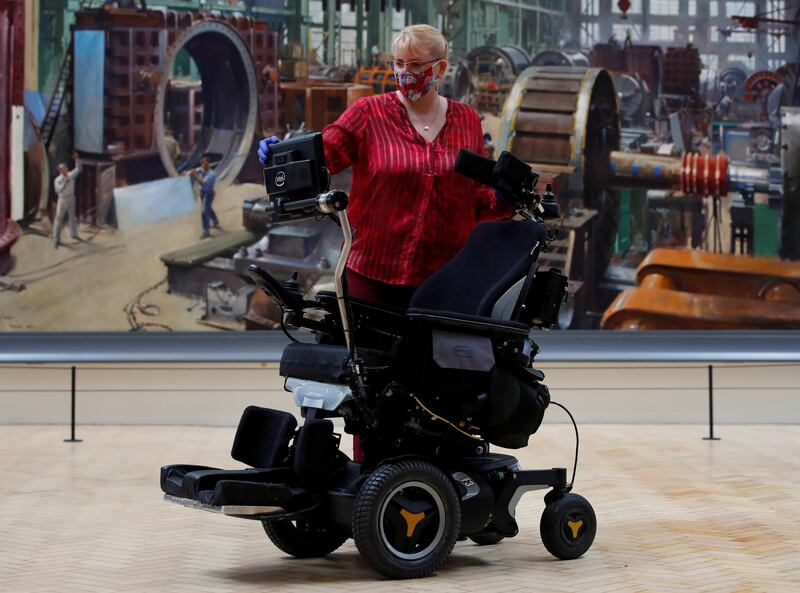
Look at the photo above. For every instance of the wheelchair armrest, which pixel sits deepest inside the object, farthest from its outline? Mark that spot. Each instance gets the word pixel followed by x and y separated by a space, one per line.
pixel 269 285
pixel 473 324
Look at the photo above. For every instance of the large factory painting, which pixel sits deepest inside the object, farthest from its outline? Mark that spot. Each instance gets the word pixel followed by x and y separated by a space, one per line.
pixel 132 196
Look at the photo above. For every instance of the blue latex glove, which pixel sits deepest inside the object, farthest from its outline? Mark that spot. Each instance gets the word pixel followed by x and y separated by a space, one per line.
pixel 263 148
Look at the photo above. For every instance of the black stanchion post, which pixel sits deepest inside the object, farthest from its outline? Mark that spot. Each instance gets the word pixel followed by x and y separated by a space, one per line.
pixel 710 436
pixel 72 438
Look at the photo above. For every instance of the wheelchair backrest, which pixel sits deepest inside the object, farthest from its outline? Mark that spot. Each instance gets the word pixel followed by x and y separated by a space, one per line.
pixel 486 277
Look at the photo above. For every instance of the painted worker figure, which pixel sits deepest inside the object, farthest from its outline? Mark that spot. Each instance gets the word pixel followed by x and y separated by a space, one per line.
pixel 173 146
pixel 65 190
pixel 206 179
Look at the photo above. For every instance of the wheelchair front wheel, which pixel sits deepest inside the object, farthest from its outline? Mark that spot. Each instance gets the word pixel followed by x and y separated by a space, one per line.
pixel 304 539
pixel 406 519
pixel 568 526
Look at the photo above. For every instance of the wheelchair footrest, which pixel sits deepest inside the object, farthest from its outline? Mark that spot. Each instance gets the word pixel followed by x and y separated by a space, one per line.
pixel 244 493
pixel 241 493
pixel 188 481
pixel 242 511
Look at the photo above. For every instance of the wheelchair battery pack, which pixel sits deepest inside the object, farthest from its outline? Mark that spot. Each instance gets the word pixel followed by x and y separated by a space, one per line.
pixel 545 296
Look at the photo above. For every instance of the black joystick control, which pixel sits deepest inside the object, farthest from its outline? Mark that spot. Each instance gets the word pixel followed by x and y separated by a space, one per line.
pixel 549 206
pixel 292 285
pixel 549 196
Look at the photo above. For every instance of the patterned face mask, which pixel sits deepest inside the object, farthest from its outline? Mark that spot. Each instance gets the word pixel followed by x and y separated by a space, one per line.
pixel 415 85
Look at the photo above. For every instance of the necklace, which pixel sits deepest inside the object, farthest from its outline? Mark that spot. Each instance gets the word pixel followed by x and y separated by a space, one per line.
pixel 427 126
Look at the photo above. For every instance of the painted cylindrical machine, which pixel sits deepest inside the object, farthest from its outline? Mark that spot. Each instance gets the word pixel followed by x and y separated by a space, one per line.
pixel 509 58
pixel 37 170
pixel 493 71
pixel 566 120
pixel 516 56
pixel 563 119
pixel 12 36
pixel 560 57
pixel 123 68
pixel 633 169
pixel 455 82
pixel 645 61
pixel 635 99
pixel 693 174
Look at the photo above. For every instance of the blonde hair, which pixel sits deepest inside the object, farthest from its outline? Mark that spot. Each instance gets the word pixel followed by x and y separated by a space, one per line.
pixel 423 38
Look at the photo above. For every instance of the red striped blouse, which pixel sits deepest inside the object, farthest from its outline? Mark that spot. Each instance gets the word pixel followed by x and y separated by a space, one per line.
pixel 410 212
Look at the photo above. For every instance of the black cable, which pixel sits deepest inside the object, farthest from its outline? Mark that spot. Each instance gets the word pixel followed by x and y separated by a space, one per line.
pixel 577 440
pixel 135 305
pixel 286 329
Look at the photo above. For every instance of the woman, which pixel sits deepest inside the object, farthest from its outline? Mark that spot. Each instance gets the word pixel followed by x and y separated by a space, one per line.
pixel 410 211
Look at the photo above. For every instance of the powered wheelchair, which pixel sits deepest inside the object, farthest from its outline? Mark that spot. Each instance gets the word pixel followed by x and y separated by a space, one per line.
pixel 428 390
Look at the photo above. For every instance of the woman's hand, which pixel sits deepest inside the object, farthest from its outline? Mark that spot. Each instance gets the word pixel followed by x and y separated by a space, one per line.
pixel 263 148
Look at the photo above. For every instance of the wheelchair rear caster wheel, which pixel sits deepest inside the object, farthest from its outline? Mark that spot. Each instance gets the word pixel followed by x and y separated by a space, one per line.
pixel 304 539
pixel 568 526
pixel 406 519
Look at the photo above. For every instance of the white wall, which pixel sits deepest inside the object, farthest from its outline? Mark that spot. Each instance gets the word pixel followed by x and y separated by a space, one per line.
pixel 216 395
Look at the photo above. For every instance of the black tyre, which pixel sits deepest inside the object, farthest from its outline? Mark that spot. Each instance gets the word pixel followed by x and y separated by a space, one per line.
pixel 487 538
pixel 568 526
pixel 304 539
pixel 406 519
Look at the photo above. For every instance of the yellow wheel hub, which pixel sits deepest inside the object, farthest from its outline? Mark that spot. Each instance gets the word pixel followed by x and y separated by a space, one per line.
pixel 412 520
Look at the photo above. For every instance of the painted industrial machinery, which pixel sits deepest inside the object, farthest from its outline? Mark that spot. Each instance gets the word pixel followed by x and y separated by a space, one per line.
pixel 681 289
pixel 314 104
pixel 636 102
pixel 493 71
pixel 757 89
pixel 564 121
pixel 560 57
pixel 731 81
pixel 37 170
pixel 379 78
pixel 456 83
pixel 682 68
pixel 11 115
pixel 124 64
pixel 646 62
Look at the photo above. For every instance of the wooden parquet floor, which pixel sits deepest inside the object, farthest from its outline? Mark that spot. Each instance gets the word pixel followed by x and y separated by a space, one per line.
pixel 675 513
